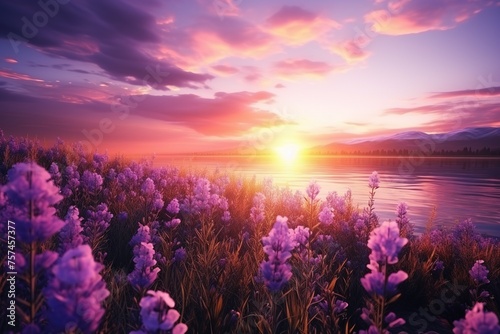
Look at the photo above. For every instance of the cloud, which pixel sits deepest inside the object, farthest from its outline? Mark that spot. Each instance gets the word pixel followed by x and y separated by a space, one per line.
pixel 225 69
pixel 477 93
pixel 227 114
pixel 222 8
pixel 297 26
pixel 453 111
pixel 213 39
pixel 300 68
pixel 224 115
pixel 415 16
pixel 351 51
pixel 117 36
pixel 5 73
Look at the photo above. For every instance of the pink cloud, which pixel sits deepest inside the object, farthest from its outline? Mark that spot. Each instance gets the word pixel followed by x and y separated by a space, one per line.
pixel 350 50
pixel 8 74
pixel 299 68
pixel 211 39
pixel 412 16
pixel 225 69
pixel 222 8
pixel 296 26
pixel 224 115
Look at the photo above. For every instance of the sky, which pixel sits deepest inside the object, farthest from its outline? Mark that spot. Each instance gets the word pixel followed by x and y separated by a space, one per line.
pixel 172 76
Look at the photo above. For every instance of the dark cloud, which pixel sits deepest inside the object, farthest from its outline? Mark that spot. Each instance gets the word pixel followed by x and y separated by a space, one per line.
pixel 117 36
pixel 224 115
pixel 479 92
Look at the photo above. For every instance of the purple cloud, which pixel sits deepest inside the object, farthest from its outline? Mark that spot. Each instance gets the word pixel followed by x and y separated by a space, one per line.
pixel 117 36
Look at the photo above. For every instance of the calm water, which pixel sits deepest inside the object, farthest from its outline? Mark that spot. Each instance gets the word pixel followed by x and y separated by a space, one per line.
pixel 457 188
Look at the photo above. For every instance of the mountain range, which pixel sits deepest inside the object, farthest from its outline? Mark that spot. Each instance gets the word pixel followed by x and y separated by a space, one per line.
pixel 479 139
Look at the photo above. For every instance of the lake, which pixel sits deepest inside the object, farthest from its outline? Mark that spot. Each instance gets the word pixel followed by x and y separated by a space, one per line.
pixel 456 188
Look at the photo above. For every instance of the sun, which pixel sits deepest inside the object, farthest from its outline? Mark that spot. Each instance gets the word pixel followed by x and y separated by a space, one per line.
pixel 288 153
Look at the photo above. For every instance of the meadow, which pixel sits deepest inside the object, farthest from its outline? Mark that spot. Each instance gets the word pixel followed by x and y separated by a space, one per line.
pixel 108 245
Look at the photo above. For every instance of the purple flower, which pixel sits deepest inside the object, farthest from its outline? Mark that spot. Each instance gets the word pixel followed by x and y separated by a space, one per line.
pixel 326 216
pixel 143 234
pixel 393 281
pixel 173 206
pixel 313 190
pixel 479 272
pixel 386 243
pixel 393 321
pixel 148 187
pixel 339 306
pixel 477 321
pixel 226 216
pixel 180 254
pixel 438 266
pixel 158 202
pixel 158 313
pixel 374 181
pixel 70 235
pixel 96 225
pixel 55 174
pixel 300 236
pixel 275 274
pixel 257 213
pixel 402 220
pixel 144 274
pixel 173 223
pixel 91 182
pixel 32 195
pixel 76 291
pixel 278 246
pixel 374 283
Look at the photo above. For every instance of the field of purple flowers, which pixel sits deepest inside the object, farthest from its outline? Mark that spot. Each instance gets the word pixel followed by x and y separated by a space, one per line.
pixel 103 245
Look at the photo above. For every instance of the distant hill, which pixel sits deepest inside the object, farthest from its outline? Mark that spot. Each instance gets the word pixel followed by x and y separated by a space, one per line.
pixel 468 141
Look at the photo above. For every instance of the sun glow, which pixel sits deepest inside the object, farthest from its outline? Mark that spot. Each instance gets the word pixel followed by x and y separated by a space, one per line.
pixel 288 153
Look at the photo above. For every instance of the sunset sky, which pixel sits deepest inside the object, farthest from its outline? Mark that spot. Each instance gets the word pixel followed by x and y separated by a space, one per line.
pixel 182 76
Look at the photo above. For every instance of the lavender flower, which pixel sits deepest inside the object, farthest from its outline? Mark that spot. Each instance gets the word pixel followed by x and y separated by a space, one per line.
pixel 75 293
pixel 402 220
pixel 96 225
pixel 73 180
pixel 313 190
pixel 479 272
pixel 32 195
pixel 148 187
pixel 180 254
pixel 158 313
pixel 226 216
pixel 173 206
pixel 91 182
pixel 144 274
pixel 257 213
pixel 143 234
pixel 70 235
pixel 438 266
pixel 374 181
pixel 278 246
pixel 477 321
pixel 173 223
pixel 55 174
pixel 386 243
pixel 326 216
pixel 339 306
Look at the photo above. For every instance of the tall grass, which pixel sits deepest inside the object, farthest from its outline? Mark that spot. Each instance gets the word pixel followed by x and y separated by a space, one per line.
pixel 216 285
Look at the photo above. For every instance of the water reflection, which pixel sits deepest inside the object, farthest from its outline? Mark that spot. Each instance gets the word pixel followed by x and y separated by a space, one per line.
pixel 458 188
